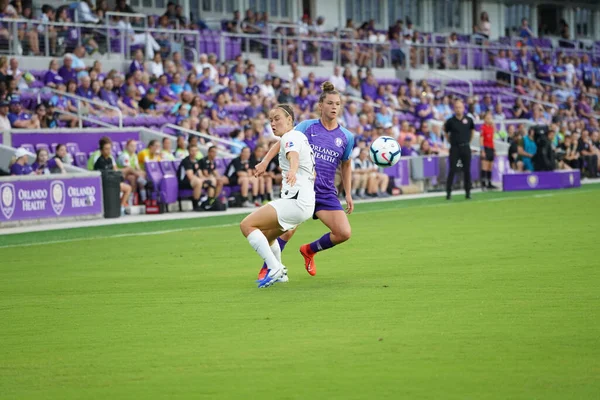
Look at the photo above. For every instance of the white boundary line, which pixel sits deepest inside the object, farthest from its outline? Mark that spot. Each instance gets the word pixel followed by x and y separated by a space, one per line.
pixel 167 231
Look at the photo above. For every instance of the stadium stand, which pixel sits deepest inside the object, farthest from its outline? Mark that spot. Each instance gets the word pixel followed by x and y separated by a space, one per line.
pixel 183 79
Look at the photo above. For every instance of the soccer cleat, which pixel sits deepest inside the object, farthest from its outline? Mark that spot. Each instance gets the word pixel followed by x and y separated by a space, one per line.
pixel 263 273
pixel 309 259
pixel 271 278
pixel 264 270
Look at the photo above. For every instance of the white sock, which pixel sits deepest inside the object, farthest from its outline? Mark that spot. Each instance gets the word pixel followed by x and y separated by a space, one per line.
pixel 260 244
pixel 276 250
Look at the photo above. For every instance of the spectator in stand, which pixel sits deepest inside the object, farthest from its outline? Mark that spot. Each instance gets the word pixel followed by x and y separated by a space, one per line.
pixel 67 72
pixel 165 93
pixel 572 156
pixel 189 177
pixel 148 103
pixel 369 88
pixel 21 165
pixel 265 183
pixel 237 173
pixel 362 170
pixel 407 135
pixel 20 119
pixel 44 165
pixel 525 32
pixel 151 153
pixel 181 150
pixel 166 153
pixel 424 110
pixel 338 80
pixel 285 96
pixel 523 61
pixel 237 137
pixel 106 162
pixel 85 14
pixel 545 70
pixel 484 28
pixel 138 62
pixel 62 155
pixel 353 89
pixel 155 66
pixel 583 108
pixel 47 120
pixel 219 115
pixel 520 111
pixel 498 113
pixel 589 158
pixel 52 77
pixel 351 119
pixel 209 172
pixel 5 125
pixel 527 149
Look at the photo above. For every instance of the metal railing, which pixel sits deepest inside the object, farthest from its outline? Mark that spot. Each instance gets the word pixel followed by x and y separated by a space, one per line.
pixel 80 115
pixel 417 55
pixel 212 138
pixel 450 77
pixel 278 45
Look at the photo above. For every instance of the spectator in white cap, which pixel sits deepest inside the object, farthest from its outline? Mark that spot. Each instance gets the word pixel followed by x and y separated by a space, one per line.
pixel 21 165
pixel 4 121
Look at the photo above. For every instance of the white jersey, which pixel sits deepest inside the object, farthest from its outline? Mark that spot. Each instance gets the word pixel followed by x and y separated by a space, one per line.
pixel 305 176
pixel 297 202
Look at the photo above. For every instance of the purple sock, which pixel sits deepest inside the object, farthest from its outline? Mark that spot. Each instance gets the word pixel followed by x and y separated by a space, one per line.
pixel 322 244
pixel 282 244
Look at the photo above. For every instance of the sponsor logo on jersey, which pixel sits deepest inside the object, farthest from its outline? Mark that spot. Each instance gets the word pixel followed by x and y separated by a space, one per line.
pixel 289 145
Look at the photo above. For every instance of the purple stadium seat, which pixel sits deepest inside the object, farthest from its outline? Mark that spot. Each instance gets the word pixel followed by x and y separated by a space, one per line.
pixel 41 146
pixel 155 176
pixel 28 147
pixel 140 146
pixel 80 160
pixel 53 147
pixel 72 148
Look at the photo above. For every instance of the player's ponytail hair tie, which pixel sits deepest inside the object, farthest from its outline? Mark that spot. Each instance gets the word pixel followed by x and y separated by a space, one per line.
pixel 288 110
pixel 327 88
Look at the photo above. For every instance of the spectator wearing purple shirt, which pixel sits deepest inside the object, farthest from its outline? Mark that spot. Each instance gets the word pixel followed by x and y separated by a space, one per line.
pixel 544 70
pixel 423 110
pixel 44 165
pixel 20 119
pixel 252 87
pixel 587 71
pixel 583 108
pixel 381 96
pixel 52 78
pixel 21 167
pixel 165 93
pixel 204 81
pixel 85 88
pixel 407 150
pixel 302 102
pixel 219 115
pixel 369 88
pixel 351 119
pixel 138 62
pixel 107 94
pixel 523 61
pixel 252 111
pixel 67 72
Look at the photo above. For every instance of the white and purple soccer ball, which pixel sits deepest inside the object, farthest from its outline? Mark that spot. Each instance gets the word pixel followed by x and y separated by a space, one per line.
pixel 385 151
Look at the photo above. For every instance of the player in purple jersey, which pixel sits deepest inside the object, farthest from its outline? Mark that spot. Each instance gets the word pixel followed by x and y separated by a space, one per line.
pixel 332 145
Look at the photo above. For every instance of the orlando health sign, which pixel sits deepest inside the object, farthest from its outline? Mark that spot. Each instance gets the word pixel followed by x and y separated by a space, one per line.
pixel 50 198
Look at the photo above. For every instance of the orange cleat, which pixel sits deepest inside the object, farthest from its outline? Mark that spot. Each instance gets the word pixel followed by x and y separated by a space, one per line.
pixel 309 259
pixel 263 272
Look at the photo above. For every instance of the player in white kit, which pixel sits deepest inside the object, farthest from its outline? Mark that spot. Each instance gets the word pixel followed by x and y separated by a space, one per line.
pixel 297 203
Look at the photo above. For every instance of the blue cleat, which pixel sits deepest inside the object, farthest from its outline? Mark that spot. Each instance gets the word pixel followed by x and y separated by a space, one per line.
pixel 272 277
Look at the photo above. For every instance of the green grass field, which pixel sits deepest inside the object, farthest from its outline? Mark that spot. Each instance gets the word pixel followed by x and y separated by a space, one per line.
pixel 496 298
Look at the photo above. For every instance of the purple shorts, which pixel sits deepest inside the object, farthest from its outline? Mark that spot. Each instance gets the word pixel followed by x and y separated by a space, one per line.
pixel 328 202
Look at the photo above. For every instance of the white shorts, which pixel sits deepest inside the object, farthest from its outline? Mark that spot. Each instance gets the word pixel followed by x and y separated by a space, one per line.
pixel 291 212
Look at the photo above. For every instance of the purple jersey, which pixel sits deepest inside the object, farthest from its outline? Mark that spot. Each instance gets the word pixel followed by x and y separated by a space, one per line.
pixel 18 169
pixel 52 77
pixel 330 148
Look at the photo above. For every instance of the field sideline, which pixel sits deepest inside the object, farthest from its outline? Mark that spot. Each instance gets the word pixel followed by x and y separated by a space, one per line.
pixel 494 298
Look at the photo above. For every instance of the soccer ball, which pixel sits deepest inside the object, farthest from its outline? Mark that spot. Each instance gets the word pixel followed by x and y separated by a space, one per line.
pixel 385 151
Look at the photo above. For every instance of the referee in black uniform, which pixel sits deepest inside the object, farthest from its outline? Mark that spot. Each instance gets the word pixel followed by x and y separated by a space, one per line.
pixel 459 130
